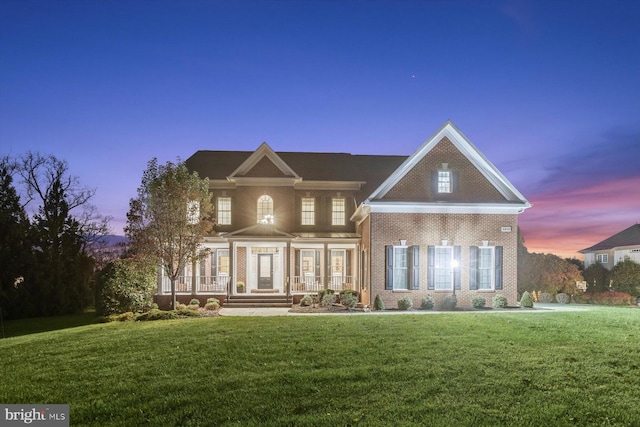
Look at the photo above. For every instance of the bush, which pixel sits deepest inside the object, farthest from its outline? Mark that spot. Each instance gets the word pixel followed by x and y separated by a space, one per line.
pixel 404 303
pixel 157 315
pixel 378 304
pixel 478 302
pixel 349 300
pixel 499 301
pixel 545 297
pixel 563 298
pixel 187 312
pixel 195 301
pixel 306 300
pixel 180 306
pixel 427 303
pixel 526 301
pixel 327 299
pixel 449 302
pixel 609 298
pixel 125 285
pixel 324 292
pixel 124 317
pixel 212 306
pixel 154 306
pixel 348 292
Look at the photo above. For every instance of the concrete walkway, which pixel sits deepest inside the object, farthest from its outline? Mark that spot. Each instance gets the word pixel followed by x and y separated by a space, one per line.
pixel 263 311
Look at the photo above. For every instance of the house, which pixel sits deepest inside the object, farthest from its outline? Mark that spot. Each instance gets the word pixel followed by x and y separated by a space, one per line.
pixel 625 244
pixel 438 222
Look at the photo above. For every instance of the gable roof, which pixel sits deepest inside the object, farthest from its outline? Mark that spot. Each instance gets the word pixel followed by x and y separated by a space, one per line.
pixel 627 237
pixel 263 151
pixel 454 135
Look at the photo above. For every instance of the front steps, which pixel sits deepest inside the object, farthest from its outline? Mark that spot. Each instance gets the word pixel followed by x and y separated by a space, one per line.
pixel 258 300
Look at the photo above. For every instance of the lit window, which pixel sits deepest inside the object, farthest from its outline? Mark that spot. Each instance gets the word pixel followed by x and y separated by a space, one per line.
pixel 485 268
pixel 444 181
pixel 224 210
pixel 602 258
pixel 308 211
pixel 443 267
pixel 265 210
pixel 338 211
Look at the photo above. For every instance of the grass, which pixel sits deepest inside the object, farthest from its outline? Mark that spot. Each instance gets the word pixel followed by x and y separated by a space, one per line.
pixel 14 328
pixel 524 369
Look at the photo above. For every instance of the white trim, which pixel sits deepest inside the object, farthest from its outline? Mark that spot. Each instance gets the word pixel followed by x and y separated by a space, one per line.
pixel 328 185
pixel 449 208
pixel 263 151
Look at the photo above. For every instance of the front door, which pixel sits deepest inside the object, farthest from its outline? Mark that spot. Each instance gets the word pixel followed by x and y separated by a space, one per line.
pixel 265 271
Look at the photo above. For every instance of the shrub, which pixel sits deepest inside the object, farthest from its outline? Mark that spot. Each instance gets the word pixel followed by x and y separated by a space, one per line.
pixel 328 298
pixel 449 302
pixel 377 303
pixel 125 285
pixel 610 298
pixel 499 301
pixel 154 306
pixel 545 297
pixel 348 292
pixel 563 298
pixel 214 300
pixel 478 302
pixel 526 301
pixel 124 317
pixel 187 312
pixel 349 300
pixel 306 300
pixel 157 315
pixel 323 292
pixel 211 306
pixel 427 303
pixel 195 301
pixel 404 303
pixel 180 306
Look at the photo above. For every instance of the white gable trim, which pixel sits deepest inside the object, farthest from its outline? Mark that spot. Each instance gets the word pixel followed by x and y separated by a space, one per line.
pixel 448 130
pixel 263 151
pixel 447 208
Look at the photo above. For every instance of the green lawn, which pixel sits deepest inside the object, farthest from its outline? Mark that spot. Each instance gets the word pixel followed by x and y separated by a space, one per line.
pixel 471 369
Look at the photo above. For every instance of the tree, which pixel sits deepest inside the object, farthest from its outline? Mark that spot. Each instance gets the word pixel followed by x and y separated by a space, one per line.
pixel 170 217
pixel 597 278
pixel 15 248
pixel 64 225
pixel 625 277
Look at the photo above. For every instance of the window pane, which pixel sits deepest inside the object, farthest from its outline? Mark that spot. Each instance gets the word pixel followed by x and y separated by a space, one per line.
pixel 308 211
pixel 444 181
pixel 485 268
pixel 337 211
pixel 400 268
pixel 444 267
pixel 265 210
pixel 224 210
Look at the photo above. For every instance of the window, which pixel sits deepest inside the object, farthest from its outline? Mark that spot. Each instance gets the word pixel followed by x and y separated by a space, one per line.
pixel 443 269
pixel 485 268
pixel 337 211
pixel 308 211
pixel 602 258
pixel 444 181
pixel 224 210
pixel 220 262
pixel 402 267
pixel 265 210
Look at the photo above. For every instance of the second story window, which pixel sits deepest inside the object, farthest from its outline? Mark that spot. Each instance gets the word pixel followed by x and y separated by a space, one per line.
pixel 224 210
pixel 308 211
pixel 338 211
pixel 265 210
pixel 602 258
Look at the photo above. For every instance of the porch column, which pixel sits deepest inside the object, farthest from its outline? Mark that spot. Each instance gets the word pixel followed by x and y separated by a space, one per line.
pixel 327 266
pixel 232 268
pixel 194 269
pixel 287 269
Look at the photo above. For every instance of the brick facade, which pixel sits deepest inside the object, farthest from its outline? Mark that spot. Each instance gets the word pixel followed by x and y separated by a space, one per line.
pixel 423 230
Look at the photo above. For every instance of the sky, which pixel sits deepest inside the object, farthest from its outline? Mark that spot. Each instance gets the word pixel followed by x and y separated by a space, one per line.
pixel 549 91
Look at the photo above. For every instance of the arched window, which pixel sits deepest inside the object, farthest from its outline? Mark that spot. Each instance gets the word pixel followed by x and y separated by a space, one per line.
pixel 265 209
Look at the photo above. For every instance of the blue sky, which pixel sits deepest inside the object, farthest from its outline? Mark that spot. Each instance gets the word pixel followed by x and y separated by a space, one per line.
pixel 548 90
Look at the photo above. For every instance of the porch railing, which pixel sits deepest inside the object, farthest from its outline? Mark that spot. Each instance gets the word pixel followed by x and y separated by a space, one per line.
pixel 317 283
pixel 204 284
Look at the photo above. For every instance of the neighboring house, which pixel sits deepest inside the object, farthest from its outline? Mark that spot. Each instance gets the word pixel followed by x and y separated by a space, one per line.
pixel 440 221
pixel 625 244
